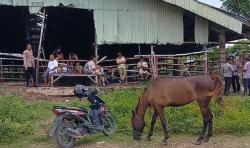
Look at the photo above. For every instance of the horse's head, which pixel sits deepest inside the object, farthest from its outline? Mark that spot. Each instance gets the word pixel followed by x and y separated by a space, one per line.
pixel 138 125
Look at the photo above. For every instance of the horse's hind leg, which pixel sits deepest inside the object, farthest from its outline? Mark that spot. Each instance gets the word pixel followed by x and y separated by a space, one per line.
pixel 203 103
pixel 164 124
pixel 150 133
pixel 210 126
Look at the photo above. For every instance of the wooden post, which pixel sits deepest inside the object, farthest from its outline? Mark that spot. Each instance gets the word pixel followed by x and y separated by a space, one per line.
pixel 153 62
pixel 1 68
pixel 175 61
pixel 139 47
pixel 206 63
pixel 37 71
pixel 222 48
pixel 156 68
pixel 206 60
pixel 96 46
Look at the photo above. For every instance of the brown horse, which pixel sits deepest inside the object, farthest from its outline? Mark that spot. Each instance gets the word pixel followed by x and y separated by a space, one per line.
pixel 164 92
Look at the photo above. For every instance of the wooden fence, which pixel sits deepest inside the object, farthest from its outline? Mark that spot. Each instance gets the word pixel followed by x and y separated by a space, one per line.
pixel 11 69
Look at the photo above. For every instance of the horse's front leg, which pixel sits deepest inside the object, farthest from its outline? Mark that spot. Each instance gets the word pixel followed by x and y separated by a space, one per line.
pixel 203 103
pixel 210 126
pixel 164 125
pixel 150 133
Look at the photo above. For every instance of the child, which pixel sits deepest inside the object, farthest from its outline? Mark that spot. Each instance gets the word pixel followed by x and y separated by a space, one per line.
pixel 110 75
pixel 78 68
pixel 100 72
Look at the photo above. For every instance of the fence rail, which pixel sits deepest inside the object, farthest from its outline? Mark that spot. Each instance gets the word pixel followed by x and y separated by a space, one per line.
pixel 11 69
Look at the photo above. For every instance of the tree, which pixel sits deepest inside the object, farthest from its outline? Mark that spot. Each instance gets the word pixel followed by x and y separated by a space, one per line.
pixel 240 7
pixel 239 48
pixel 236 49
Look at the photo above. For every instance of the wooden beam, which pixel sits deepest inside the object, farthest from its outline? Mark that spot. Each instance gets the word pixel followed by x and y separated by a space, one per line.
pixel 1 68
pixel 222 48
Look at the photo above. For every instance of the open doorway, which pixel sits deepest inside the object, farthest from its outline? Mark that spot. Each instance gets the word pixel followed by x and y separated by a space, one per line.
pixel 72 29
pixel 13 30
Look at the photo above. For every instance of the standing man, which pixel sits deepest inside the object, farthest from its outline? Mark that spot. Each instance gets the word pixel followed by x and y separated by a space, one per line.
pixel 29 65
pixel 121 61
pixel 228 74
pixel 236 76
pixel 246 76
pixel 143 69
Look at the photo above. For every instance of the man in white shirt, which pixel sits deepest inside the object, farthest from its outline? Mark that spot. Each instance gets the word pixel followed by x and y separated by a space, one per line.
pixel 143 68
pixel 92 68
pixel 121 61
pixel 51 69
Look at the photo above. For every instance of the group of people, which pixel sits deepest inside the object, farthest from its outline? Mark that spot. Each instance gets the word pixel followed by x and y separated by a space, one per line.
pixel 91 67
pixel 231 71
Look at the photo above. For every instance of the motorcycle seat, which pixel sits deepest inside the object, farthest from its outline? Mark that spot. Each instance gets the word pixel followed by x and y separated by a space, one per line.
pixel 72 108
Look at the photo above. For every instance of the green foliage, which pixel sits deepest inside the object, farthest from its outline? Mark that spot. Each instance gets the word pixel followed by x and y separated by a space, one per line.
pixel 15 118
pixel 239 48
pixel 18 118
pixel 240 7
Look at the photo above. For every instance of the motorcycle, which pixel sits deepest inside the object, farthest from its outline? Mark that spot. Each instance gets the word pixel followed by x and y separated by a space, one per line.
pixel 77 123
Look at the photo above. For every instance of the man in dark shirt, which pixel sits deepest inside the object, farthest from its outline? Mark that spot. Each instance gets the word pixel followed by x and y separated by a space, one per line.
pixel 236 75
pixel 58 54
pixel 228 74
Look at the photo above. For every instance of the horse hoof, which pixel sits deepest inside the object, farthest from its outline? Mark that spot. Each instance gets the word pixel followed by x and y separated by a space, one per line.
pixel 206 139
pixel 198 142
pixel 148 139
pixel 164 142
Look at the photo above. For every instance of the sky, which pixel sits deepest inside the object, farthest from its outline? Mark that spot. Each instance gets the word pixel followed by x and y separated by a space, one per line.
pixel 216 3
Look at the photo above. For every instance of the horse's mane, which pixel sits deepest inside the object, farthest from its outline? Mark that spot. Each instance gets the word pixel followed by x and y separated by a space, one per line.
pixel 147 89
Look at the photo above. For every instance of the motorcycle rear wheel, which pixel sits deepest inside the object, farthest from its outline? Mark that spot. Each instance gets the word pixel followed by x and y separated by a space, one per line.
pixel 109 124
pixel 64 141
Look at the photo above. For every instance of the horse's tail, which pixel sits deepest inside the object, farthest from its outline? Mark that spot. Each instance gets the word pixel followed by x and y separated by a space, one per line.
pixel 218 89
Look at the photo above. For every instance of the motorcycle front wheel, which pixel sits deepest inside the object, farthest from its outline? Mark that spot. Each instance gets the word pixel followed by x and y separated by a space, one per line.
pixel 62 139
pixel 109 124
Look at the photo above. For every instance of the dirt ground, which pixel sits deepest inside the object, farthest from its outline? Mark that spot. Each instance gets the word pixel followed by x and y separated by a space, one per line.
pixel 18 89
pixel 222 141
pixel 179 142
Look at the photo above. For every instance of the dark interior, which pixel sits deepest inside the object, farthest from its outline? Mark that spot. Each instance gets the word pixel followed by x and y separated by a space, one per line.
pixel 72 29
pixel 13 32
pixel 129 50
pixel 189 26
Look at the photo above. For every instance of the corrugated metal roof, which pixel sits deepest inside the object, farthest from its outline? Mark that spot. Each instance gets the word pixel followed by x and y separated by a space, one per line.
pixel 137 21
pixel 209 13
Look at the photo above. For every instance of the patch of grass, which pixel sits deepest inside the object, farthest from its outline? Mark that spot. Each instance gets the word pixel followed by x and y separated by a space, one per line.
pixel 19 118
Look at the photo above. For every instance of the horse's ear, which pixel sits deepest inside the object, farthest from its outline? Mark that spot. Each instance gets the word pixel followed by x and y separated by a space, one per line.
pixel 133 113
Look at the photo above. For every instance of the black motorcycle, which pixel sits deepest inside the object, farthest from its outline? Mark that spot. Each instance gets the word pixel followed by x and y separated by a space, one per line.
pixel 76 123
